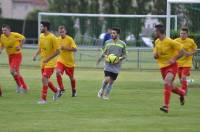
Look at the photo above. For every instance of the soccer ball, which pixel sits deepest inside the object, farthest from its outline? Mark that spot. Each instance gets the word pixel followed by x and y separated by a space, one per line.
pixel 112 59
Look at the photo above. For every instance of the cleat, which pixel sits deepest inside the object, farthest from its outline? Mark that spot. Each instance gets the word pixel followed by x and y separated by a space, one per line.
pixel 18 89
pixel 164 109
pixel 42 101
pixel 99 94
pixel 74 94
pixel 22 90
pixel 105 97
pixel 182 100
pixel 61 92
pixel 56 95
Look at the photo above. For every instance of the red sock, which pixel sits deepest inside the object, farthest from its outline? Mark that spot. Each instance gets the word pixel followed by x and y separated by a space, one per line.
pixel 184 85
pixel 17 80
pixel 60 83
pixel 44 92
pixel 178 91
pixel 52 87
pixel 167 94
pixel 23 83
pixel 73 84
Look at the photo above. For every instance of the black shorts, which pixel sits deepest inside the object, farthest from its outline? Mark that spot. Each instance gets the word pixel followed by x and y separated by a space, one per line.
pixel 112 75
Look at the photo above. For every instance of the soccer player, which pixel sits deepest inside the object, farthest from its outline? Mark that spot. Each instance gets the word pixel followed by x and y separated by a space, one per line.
pixel 167 52
pixel 117 47
pixel 107 37
pixel 12 42
pixel 48 50
pixel 65 61
pixel 185 62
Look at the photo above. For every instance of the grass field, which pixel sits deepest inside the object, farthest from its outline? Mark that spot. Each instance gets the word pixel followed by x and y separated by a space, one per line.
pixel 133 107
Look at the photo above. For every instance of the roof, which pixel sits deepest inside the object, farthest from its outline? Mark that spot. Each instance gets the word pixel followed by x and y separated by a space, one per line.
pixel 35 2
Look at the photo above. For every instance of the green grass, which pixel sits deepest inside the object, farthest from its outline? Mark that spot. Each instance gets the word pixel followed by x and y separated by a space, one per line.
pixel 133 107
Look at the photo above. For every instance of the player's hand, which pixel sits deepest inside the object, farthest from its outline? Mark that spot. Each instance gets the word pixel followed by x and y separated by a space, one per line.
pixel 34 58
pixel 187 54
pixel 172 61
pixel 18 48
pixel 62 48
pixel 45 61
pixel 155 55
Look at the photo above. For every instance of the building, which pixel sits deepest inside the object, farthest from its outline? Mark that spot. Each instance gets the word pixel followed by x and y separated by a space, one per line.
pixel 18 9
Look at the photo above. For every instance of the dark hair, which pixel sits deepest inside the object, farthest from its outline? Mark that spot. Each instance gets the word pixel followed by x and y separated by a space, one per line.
pixel 184 29
pixel 46 24
pixel 6 26
pixel 117 30
pixel 160 28
pixel 62 27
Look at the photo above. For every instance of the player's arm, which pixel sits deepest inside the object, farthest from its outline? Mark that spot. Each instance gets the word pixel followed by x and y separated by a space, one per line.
pixel 1 47
pixel 194 47
pixel 36 54
pixel 103 55
pixel 124 53
pixel 177 46
pixel 21 39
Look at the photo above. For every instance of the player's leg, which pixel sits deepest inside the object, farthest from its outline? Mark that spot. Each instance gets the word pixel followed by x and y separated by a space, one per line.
pixel 104 84
pixel 168 85
pixel 70 73
pixel 18 61
pixel 1 92
pixel 112 78
pixel 44 90
pixel 59 72
pixel 185 74
pixel 14 72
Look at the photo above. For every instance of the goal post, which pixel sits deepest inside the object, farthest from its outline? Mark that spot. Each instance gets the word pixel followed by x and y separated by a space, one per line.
pixel 169 2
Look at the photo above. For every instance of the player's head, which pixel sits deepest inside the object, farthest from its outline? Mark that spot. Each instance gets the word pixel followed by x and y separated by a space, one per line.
pixel 115 32
pixel 62 31
pixel 159 30
pixel 6 29
pixel 44 26
pixel 184 33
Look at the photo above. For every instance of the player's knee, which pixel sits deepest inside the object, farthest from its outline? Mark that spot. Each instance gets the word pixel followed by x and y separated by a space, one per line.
pixel 58 73
pixel 13 72
pixel 45 80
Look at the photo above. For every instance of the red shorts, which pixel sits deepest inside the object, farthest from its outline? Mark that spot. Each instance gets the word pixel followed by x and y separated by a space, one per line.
pixel 171 68
pixel 15 61
pixel 68 70
pixel 47 72
pixel 184 71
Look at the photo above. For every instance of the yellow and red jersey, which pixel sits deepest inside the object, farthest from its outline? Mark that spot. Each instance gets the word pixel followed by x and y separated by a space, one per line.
pixel 188 45
pixel 11 42
pixel 66 57
pixel 166 49
pixel 48 45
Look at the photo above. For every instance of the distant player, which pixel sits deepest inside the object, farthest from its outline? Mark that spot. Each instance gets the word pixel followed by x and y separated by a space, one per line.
pixel 66 61
pixel 12 42
pixel 167 52
pixel 117 47
pixel 107 37
pixel 48 50
pixel 185 62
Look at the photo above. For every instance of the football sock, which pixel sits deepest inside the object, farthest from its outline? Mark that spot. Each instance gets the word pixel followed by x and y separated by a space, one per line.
pixel 23 83
pixel 73 84
pixel 60 83
pixel 104 86
pixel 178 91
pixel 108 89
pixel 184 85
pixel 167 94
pixel 52 87
pixel 44 92
pixel 17 80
